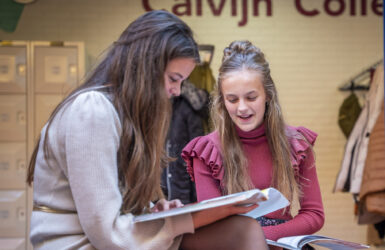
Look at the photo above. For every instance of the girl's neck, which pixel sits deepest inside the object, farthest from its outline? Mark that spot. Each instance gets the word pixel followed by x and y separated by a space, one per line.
pixel 256 135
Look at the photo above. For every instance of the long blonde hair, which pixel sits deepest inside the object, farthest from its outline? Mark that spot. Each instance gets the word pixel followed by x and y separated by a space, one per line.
pixel 133 73
pixel 237 56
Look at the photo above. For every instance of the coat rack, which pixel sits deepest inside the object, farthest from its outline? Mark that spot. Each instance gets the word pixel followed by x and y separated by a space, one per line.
pixel 355 82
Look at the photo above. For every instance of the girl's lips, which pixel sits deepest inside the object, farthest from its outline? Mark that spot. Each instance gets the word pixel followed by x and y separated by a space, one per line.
pixel 245 118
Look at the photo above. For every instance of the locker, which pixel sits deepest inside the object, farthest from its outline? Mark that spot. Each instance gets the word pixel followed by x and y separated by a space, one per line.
pixel 12 243
pixel 13 69
pixel 12 165
pixel 55 69
pixel 12 213
pixel 44 105
pixel 12 118
pixel 34 78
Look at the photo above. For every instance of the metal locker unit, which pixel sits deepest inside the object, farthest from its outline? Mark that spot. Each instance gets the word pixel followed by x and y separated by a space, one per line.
pixel 34 78
pixel 13 144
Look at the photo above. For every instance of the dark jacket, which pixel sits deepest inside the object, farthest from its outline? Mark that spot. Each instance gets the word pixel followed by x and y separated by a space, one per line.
pixel 190 109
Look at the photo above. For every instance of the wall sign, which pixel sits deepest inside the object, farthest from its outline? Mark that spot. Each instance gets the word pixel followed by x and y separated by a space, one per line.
pixel 333 8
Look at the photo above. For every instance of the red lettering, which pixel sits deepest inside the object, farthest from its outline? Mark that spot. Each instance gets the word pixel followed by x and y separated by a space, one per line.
pixel 146 5
pixel 216 12
pixel 233 7
pixel 336 12
pixel 244 14
pixel 186 6
pixel 378 7
pixel 363 7
pixel 256 7
pixel 303 11
pixel 352 7
pixel 199 7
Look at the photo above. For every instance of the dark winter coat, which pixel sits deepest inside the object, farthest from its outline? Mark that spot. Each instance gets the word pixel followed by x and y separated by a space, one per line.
pixel 190 110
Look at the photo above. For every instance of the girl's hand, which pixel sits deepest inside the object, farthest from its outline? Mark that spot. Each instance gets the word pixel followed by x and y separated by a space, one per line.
pixel 163 205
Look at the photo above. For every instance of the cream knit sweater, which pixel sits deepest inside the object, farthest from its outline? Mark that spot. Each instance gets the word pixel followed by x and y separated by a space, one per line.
pixel 81 175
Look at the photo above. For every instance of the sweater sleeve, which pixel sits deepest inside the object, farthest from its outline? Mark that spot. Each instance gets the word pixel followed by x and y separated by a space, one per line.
pixel 208 187
pixel 204 164
pixel 91 144
pixel 310 217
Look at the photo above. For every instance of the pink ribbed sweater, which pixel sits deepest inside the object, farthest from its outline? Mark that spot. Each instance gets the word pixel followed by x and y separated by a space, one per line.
pixel 204 163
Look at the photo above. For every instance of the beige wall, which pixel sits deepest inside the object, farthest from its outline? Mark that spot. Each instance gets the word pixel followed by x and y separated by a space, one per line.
pixel 309 57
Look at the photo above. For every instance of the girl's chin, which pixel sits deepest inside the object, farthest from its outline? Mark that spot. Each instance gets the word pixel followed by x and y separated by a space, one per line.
pixel 246 127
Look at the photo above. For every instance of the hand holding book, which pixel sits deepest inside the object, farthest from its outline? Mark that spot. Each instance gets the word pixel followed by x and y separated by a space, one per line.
pixel 268 200
pixel 211 215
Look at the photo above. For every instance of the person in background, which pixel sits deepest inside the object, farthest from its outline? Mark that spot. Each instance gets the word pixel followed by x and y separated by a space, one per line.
pixel 99 157
pixel 189 112
pixel 252 147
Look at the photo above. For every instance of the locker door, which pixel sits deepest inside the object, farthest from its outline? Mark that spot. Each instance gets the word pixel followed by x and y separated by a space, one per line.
pixel 13 69
pixel 12 243
pixel 12 165
pixel 55 69
pixel 12 213
pixel 12 118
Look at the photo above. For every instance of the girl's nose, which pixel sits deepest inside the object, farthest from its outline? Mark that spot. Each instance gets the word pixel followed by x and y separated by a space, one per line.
pixel 176 91
pixel 242 106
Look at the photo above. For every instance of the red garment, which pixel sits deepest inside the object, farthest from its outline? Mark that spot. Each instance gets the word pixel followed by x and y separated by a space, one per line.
pixel 204 164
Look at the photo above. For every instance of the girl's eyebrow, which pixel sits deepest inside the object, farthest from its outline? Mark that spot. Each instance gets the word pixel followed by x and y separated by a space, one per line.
pixel 252 92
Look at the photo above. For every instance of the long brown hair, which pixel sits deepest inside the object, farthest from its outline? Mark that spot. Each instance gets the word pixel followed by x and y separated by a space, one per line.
pixel 237 56
pixel 132 72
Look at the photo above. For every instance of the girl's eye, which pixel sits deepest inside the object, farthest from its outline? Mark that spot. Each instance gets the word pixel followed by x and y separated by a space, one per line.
pixel 252 98
pixel 232 100
pixel 173 80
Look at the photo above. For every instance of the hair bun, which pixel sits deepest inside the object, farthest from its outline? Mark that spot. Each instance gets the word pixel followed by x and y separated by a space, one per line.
pixel 240 47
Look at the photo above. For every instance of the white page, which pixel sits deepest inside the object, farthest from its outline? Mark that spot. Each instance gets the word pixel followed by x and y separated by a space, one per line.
pixel 246 197
pixel 275 201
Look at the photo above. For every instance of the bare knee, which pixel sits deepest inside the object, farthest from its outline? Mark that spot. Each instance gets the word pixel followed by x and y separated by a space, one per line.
pixel 236 232
pixel 248 233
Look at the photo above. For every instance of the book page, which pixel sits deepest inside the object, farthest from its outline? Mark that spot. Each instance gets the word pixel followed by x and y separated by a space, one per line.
pixel 243 198
pixel 319 240
pixel 274 202
pixel 294 241
pixel 339 244
pixel 278 244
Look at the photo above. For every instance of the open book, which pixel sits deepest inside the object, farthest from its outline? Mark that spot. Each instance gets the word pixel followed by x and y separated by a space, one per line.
pixel 274 201
pixel 297 242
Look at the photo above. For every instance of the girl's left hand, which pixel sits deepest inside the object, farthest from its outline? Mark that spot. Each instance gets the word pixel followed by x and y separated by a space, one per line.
pixel 163 205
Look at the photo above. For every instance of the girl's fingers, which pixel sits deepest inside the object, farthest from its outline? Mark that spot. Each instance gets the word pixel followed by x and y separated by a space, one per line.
pixel 176 203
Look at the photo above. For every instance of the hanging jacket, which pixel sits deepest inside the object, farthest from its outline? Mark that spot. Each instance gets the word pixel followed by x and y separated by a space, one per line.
pixel 348 114
pixel 372 194
pixel 350 176
pixel 190 109
pixel 202 77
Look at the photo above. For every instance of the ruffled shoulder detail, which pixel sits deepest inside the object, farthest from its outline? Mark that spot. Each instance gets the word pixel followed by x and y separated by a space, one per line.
pixel 301 141
pixel 206 149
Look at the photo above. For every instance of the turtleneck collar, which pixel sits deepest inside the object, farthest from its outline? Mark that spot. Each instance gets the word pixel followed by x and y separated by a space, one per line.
pixel 254 136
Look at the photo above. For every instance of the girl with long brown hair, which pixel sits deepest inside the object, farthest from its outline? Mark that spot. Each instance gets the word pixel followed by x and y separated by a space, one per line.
pixel 252 147
pixel 99 157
